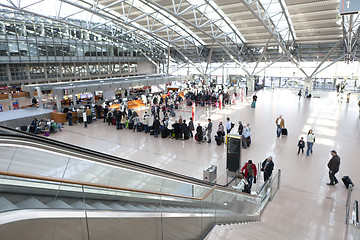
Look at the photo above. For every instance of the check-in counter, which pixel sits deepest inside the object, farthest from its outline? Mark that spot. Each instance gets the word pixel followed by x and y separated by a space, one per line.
pixel 61 117
pixel 135 103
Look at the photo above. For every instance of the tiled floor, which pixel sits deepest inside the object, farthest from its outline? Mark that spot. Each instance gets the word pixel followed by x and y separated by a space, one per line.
pixel 304 204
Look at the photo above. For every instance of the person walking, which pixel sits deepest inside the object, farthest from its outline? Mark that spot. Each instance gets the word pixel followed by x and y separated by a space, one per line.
pixel 310 138
pixel 69 117
pixel 301 145
pixel 240 128
pixel 88 115
pixel 106 110
pixel 280 124
pixel 334 166
pixel 250 172
pixel 209 130
pixel 146 122
pixel 242 183
pixel 254 97
pixel 118 119
pixel 191 127
pixel 267 167
pixel 247 135
pixel 228 125
pixel 199 133
pixel 156 127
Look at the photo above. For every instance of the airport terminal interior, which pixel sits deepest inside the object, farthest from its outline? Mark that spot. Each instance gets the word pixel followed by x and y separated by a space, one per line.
pixel 179 119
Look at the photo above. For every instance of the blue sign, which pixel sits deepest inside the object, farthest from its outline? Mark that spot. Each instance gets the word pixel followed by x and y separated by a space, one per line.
pixel 349 6
pixel 16 105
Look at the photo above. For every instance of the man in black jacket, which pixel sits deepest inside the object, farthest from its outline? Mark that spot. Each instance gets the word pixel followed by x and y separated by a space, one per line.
pixel 333 165
pixel 267 167
pixel 156 127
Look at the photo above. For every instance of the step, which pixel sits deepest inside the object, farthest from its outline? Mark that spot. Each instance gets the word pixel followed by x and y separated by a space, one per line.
pixel 80 205
pixel 117 207
pixel 58 204
pixel 6 205
pixel 31 203
pixel 101 206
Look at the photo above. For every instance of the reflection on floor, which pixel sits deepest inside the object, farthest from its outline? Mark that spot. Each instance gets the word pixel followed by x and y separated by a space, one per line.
pixel 304 204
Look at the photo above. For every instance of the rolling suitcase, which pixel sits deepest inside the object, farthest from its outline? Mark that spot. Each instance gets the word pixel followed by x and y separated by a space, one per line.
pixel 151 132
pixel 284 131
pixel 253 105
pixel 347 181
pixel 164 133
pixel 218 140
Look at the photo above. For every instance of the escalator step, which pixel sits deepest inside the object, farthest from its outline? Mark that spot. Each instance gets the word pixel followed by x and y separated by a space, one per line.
pixel 117 207
pixel 99 205
pixel 130 207
pixel 31 203
pixel 58 204
pixel 80 205
pixel 6 205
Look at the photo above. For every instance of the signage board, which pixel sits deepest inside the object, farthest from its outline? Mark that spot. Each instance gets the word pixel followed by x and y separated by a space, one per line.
pixel 349 6
pixel 233 152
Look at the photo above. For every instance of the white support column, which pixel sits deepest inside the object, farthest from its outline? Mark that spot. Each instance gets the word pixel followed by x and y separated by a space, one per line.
pixel 74 100
pixel 93 98
pixel 250 83
pixel 58 103
pixel 38 89
pixel 308 85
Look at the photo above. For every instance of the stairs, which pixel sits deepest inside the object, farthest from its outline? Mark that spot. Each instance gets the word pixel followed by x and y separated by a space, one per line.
pixel 250 230
pixel 11 202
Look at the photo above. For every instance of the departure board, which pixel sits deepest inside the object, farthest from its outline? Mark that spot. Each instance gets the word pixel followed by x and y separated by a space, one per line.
pixel 233 150
pixel 349 6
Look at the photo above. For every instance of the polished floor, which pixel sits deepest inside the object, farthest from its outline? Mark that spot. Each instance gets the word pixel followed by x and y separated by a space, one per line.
pixel 304 204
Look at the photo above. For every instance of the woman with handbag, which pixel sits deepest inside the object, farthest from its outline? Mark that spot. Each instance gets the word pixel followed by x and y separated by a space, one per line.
pixel 310 142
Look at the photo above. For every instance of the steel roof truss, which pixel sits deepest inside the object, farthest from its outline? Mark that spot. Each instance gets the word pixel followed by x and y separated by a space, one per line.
pixel 273 32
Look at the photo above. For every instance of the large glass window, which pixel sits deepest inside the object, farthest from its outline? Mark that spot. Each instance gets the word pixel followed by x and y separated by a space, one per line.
pixel 3 73
pixel 18 71
pixel 4 49
pixel 36 71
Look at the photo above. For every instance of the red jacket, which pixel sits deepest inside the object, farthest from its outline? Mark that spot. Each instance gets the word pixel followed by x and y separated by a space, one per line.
pixel 246 171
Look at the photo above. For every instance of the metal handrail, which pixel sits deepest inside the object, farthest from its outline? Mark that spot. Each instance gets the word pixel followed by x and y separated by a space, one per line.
pixel 76 151
pixel 61 180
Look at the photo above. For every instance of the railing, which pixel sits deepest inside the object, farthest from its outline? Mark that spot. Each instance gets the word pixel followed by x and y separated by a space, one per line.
pixel 269 189
pixel 352 218
pixel 216 205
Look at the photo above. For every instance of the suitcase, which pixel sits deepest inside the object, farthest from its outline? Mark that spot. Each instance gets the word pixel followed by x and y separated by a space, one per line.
pixel 32 129
pixel 151 132
pixel 46 133
pixel 218 140
pixel 347 181
pixel 23 128
pixel 284 131
pixel 113 121
pixel 164 133
pixel 186 136
pixel 131 125
pixel 140 127
pixel 85 124
pixel 253 105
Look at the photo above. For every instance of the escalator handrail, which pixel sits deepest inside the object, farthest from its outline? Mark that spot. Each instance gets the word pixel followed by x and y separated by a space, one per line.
pixel 80 183
pixel 107 157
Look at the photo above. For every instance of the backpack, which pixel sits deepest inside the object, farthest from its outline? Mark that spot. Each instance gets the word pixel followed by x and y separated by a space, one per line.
pixel 247 188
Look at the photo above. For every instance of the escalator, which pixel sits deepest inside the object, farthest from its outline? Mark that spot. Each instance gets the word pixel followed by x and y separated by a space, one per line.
pixel 53 190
